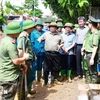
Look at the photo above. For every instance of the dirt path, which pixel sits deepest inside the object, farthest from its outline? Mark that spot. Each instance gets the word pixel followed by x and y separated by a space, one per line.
pixel 67 91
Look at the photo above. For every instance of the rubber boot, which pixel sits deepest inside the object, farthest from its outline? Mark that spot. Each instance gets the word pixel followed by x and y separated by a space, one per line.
pixel 62 72
pixel 69 76
pixel 62 76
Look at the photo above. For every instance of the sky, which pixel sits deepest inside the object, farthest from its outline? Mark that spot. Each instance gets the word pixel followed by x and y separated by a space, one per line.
pixel 46 12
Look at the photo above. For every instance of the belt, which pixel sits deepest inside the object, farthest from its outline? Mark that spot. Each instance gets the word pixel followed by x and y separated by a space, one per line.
pixel 88 52
pixel 79 44
pixel 53 52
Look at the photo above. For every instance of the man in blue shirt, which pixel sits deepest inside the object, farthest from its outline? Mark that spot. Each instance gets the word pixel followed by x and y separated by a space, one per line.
pixel 38 49
pixel 67 50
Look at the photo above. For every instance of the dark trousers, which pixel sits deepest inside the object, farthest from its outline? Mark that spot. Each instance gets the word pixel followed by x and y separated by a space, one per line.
pixel 51 63
pixel 66 62
pixel 92 69
pixel 9 89
pixel 80 70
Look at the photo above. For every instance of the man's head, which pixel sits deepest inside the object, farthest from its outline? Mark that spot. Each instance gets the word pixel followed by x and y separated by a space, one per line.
pixel 13 29
pixel 81 21
pixel 60 26
pixel 68 27
pixel 28 26
pixel 39 25
pixel 59 21
pixel 92 23
pixel 47 23
pixel 53 27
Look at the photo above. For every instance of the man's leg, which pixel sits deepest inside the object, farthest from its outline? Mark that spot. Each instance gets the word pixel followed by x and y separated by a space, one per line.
pixel 39 67
pixel 9 90
pixel 56 67
pixel 47 66
pixel 78 60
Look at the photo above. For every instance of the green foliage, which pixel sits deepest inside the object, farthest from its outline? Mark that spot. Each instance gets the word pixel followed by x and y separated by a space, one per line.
pixel 29 7
pixel 32 5
pixel 69 10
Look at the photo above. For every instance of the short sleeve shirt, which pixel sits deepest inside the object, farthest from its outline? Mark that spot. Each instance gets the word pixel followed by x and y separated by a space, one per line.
pixel 68 39
pixel 52 41
pixel 91 41
pixel 8 51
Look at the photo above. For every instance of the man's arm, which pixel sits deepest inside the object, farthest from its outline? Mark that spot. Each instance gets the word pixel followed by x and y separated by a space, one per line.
pixel 41 38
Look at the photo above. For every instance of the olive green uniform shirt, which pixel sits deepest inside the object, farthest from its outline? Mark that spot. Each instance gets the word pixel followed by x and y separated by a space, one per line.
pixel 91 40
pixel 27 44
pixel 8 51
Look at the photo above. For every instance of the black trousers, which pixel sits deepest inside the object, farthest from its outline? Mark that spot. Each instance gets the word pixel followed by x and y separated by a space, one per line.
pixel 51 64
pixel 66 62
pixel 80 70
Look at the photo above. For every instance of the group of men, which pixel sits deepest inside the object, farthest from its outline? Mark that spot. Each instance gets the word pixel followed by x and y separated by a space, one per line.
pixel 54 48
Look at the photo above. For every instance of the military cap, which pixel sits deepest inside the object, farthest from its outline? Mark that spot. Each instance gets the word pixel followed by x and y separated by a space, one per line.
pixel 60 24
pixel 92 19
pixel 98 20
pixel 12 28
pixel 59 20
pixel 39 23
pixel 76 26
pixel 28 24
pixel 68 25
pixel 53 24
pixel 48 21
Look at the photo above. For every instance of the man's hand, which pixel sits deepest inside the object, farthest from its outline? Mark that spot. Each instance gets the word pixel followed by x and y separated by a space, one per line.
pixel 82 51
pixel 91 61
pixel 24 67
pixel 66 51
pixel 26 56
pixel 38 40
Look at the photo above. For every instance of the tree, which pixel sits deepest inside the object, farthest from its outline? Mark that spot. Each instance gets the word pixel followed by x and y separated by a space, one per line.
pixel 32 5
pixel 69 10
pixel 29 7
pixel 2 17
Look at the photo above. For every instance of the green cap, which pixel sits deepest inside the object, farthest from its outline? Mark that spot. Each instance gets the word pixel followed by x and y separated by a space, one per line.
pixel 68 25
pixel 76 26
pixel 48 21
pixel 28 24
pixel 92 19
pixel 39 23
pixel 60 24
pixel 12 28
pixel 53 24
pixel 98 20
pixel 59 20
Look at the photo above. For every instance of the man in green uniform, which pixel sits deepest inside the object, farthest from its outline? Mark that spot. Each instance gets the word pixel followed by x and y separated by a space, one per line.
pixel 28 27
pixel 9 61
pixel 90 47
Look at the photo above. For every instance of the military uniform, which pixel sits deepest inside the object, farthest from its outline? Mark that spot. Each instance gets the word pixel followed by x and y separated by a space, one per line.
pixel 89 43
pixel 9 72
pixel 24 43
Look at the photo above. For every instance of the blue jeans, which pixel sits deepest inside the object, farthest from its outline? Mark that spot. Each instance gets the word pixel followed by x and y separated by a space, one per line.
pixel 37 65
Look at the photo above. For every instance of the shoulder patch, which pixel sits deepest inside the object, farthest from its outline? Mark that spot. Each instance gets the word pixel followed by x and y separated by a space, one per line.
pixel 13 41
